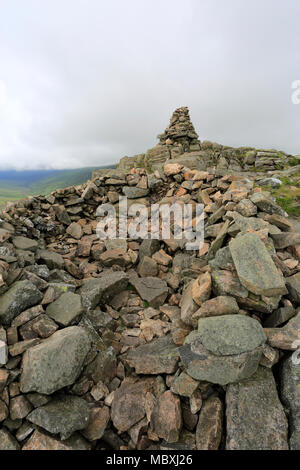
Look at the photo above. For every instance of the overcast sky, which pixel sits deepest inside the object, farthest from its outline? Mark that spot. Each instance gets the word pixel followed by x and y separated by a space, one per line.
pixel 85 82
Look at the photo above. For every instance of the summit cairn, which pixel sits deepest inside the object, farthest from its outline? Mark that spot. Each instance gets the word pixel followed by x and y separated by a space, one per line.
pixel 181 132
pixel 180 144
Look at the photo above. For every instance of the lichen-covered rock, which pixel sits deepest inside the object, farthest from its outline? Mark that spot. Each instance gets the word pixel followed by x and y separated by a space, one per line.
pixel 255 267
pixel 255 416
pixel 290 395
pixel 63 415
pixel 56 362
pixel 22 295
pixel 158 357
pixel 224 350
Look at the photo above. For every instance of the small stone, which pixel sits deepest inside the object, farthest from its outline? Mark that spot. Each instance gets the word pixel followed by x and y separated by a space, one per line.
pixel 19 408
pixel 285 337
pixel 51 259
pixel 98 421
pixel 147 267
pixel 172 169
pixel 152 290
pixel 196 402
pixel 23 243
pixel 7 441
pixel 293 285
pixel 22 295
pixel 3 411
pixel 166 419
pixel 209 427
pixel 201 288
pixel 41 441
pixel 158 357
pixel 221 305
pixel 128 406
pixel 184 385
pixel 63 415
pixel 74 230
pixel 66 309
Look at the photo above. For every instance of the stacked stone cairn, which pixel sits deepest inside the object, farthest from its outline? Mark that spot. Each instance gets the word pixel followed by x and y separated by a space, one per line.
pixel 141 344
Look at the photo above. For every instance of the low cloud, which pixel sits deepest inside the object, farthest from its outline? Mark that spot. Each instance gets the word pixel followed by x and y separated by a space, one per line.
pixel 85 83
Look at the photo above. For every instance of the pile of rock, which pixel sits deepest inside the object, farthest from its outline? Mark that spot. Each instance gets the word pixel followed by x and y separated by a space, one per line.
pixel 141 344
pixel 180 143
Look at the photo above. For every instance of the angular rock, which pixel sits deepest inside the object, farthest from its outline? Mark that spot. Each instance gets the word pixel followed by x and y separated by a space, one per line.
pixel 283 240
pixel 23 243
pixel 293 285
pixel 158 357
pixel 22 295
pixel 151 289
pixel 7 441
pixel 66 309
pixel 134 192
pixel 209 427
pixel 128 406
pixel 266 204
pixel 98 421
pixel 255 419
pixel 19 407
pixel 74 230
pixel 221 305
pixel 63 415
pixel 290 395
pixel 41 441
pixel 230 334
pixel 51 259
pixel 184 385
pixel 166 418
pixel 255 267
pixel 285 337
pixel 103 288
pixel 56 362
pixel 188 305
pixel 228 353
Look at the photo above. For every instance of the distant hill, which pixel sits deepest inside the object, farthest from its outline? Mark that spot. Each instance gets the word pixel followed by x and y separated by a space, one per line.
pixel 15 185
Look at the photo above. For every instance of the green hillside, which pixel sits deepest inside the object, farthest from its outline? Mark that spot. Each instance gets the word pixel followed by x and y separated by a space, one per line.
pixel 17 185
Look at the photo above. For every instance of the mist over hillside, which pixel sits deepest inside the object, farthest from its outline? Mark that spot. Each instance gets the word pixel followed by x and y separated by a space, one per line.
pixel 16 185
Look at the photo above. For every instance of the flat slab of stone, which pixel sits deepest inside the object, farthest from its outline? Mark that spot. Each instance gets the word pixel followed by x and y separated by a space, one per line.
pixel 158 357
pixel 128 406
pixel 255 416
pixel 63 415
pixel 66 309
pixel 56 362
pixel 151 289
pixel 42 441
pixel 51 259
pixel 103 288
pixel 133 192
pixel 22 295
pixel 230 334
pixel 255 268
pixel 23 243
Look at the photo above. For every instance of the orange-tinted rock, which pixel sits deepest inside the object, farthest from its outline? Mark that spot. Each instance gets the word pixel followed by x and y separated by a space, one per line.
pixel 209 427
pixel 166 419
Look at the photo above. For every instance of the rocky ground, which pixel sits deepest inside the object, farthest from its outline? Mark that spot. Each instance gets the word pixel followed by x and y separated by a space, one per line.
pixel 141 344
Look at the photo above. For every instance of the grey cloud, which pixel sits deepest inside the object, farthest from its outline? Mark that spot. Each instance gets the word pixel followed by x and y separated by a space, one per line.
pixel 85 83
